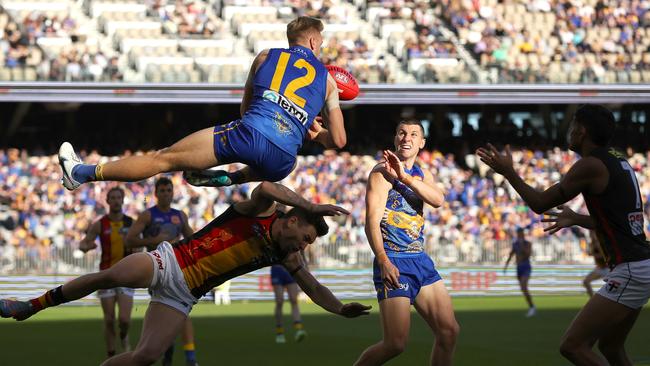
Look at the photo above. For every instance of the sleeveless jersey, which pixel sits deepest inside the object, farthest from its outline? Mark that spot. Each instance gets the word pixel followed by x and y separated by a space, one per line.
pixel 289 90
pixel 402 224
pixel 170 221
pixel 618 211
pixel 112 236
pixel 229 246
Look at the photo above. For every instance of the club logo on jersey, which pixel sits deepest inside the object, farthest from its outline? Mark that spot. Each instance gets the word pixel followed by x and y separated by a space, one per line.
pixel 281 124
pixel 176 220
pixel 286 104
pixel 636 223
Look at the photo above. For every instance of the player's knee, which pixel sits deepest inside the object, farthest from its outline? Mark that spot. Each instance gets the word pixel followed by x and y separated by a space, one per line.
pixel 396 346
pixel 294 302
pixel 147 355
pixel 124 322
pixel 451 331
pixel 585 283
pixel 109 321
pixel 165 159
pixel 569 348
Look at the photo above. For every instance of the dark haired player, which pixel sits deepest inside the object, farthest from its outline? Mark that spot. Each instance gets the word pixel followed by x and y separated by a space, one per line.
pixel 610 189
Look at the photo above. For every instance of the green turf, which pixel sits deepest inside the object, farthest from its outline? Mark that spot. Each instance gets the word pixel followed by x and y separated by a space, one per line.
pixel 494 332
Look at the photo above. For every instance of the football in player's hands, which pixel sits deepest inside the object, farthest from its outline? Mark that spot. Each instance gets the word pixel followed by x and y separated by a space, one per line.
pixel 345 82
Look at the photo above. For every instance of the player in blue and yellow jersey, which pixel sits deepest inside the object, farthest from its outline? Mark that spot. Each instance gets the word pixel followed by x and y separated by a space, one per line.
pixel 521 250
pixel 285 91
pixel 609 186
pixel 111 230
pixel 249 235
pixel 163 223
pixel 404 275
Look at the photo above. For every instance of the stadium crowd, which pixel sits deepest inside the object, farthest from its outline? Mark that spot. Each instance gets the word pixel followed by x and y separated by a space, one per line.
pixel 37 215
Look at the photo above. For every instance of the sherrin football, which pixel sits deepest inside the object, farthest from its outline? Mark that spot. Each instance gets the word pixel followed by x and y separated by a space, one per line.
pixel 346 83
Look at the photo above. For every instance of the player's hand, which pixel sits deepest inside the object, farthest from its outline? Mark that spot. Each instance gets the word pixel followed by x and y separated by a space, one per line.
pixel 393 165
pixel 354 309
pixel 315 128
pixel 328 210
pixel 560 219
pixel 389 274
pixel 500 163
pixel 86 247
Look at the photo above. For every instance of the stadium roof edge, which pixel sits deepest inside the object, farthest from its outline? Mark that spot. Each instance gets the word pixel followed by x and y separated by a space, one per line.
pixel 391 94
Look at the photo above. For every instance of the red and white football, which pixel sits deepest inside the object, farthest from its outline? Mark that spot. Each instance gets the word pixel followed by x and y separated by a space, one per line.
pixel 346 83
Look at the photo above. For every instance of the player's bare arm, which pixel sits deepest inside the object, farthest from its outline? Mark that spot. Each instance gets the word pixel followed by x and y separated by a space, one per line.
pixel 187 229
pixel 426 189
pixel 88 242
pixel 248 87
pixel 134 235
pixel 586 175
pixel 266 194
pixel 320 294
pixel 376 196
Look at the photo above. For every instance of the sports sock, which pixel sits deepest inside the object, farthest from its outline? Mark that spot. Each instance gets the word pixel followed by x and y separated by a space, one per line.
pixel 297 325
pixel 53 297
pixel 83 173
pixel 190 352
pixel 279 329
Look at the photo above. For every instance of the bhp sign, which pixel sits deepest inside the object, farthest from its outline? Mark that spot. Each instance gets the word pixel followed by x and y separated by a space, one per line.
pixel 472 280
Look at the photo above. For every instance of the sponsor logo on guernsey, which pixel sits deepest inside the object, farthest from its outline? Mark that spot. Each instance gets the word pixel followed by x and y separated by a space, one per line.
pixel 286 104
pixel 636 222
pixel 176 220
pixel 300 51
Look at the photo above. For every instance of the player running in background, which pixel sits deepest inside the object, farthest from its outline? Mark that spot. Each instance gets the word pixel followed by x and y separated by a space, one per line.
pixel 249 235
pixel 521 249
pixel 601 270
pixel 404 275
pixel 285 90
pixel 281 280
pixel 610 189
pixel 163 223
pixel 111 230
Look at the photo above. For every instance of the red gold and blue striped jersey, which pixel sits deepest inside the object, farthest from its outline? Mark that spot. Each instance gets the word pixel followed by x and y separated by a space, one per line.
pixel 229 246
pixel 112 236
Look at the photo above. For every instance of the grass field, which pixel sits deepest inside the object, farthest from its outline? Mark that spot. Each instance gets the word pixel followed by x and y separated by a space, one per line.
pixel 494 332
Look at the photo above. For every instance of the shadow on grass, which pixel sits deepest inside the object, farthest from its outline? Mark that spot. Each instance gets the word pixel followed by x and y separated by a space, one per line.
pixel 487 338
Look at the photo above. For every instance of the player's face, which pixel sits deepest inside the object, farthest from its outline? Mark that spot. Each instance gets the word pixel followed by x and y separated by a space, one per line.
pixel 115 200
pixel 165 194
pixel 408 140
pixel 297 235
pixel 575 135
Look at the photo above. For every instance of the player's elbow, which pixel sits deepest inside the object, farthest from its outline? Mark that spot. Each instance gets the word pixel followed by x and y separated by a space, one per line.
pixel 339 142
pixel 538 209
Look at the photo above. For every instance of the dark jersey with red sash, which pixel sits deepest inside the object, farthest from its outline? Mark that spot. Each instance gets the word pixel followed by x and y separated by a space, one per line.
pixel 112 236
pixel 618 211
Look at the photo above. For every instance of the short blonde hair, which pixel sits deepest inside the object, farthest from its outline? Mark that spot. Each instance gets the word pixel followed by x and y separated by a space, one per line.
pixel 300 26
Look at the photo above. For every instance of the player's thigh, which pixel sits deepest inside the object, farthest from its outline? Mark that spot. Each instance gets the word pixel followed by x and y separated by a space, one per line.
pixel 134 271
pixel 292 291
pixel 161 325
pixel 125 305
pixel 108 307
pixel 278 291
pixel 600 316
pixel 618 335
pixel 434 305
pixel 523 282
pixel 395 315
pixel 195 151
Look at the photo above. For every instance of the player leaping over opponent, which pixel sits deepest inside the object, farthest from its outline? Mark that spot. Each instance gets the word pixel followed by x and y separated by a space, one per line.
pixel 249 235
pixel 285 90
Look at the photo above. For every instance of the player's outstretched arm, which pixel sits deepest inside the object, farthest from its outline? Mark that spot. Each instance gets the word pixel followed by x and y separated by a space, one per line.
pixel 334 135
pixel 320 294
pixel 567 218
pixel 587 175
pixel 88 242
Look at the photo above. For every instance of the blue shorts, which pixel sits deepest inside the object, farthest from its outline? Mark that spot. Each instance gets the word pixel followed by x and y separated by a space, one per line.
pixel 280 276
pixel 235 142
pixel 524 269
pixel 415 272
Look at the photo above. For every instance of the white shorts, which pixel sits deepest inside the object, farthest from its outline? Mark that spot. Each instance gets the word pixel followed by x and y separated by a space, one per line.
pixel 112 292
pixel 168 285
pixel 628 284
